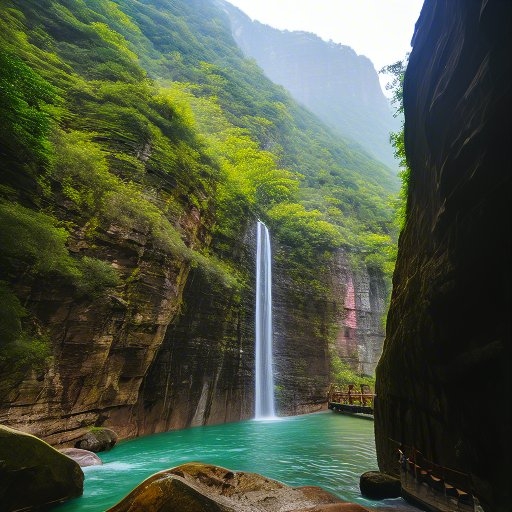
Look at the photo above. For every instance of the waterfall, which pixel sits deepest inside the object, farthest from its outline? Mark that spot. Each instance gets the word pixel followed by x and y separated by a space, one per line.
pixel 264 392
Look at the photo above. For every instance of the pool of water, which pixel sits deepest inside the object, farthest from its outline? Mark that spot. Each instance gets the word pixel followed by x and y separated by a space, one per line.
pixel 325 449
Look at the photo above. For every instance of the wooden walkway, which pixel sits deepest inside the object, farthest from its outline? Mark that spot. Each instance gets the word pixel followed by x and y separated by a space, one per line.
pixel 351 400
pixel 434 487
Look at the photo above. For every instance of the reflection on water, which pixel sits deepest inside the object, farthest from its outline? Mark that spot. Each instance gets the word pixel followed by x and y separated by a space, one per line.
pixel 325 449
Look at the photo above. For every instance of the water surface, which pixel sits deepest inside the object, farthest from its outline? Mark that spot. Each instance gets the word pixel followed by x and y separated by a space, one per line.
pixel 325 449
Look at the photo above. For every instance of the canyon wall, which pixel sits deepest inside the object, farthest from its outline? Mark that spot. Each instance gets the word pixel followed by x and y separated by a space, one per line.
pixel 361 296
pixel 443 381
pixel 127 261
pixel 175 348
pixel 103 348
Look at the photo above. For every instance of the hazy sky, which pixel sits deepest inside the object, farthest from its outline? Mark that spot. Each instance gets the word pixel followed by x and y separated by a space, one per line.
pixel 379 29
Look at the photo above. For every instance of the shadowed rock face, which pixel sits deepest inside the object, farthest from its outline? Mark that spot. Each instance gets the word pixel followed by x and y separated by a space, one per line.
pixel 442 382
pixel 34 475
pixel 203 372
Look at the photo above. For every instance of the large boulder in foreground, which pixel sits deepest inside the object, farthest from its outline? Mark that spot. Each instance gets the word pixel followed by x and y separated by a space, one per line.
pixel 196 487
pixel 33 474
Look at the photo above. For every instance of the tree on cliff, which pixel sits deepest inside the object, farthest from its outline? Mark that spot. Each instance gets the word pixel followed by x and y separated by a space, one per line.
pixel 397 70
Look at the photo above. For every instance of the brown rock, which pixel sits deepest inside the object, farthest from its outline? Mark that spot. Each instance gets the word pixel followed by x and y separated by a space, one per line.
pixel 97 440
pixel 443 381
pixel 379 486
pixel 196 487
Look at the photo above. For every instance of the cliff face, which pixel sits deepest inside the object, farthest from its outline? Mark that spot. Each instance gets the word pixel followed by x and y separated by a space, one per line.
pixel 361 301
pixel 173 348
pixel 204 371
pixel 102 349
pixel 339 86
pixel 444 376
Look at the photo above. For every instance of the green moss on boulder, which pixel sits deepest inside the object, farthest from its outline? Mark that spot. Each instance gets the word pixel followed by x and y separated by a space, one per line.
pixel 98 439
pixel 33 474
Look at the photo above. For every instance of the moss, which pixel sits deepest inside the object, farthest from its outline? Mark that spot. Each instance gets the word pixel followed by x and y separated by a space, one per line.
pixel 34 474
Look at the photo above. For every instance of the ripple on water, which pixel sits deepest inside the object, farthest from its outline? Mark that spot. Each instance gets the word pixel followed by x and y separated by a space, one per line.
pixel 323 449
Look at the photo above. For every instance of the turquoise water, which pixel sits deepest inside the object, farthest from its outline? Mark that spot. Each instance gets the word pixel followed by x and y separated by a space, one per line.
pixel 325 449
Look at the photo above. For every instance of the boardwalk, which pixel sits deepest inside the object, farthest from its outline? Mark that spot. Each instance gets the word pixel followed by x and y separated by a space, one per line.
pixel 351 400
pixel 434 487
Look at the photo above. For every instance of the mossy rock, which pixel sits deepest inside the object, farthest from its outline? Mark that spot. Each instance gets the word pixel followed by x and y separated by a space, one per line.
pixel 33 474
pixel 379 486
pixel 98 439
pixel 197 487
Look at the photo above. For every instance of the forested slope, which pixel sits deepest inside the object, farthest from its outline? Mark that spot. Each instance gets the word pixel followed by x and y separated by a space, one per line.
pixel 137 148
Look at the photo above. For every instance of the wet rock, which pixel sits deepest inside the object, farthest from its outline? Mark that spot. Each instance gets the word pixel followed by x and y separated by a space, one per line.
pixel 197 487
pixel 379 486
pixel 83 457
pixel 97 440
pixel 33 474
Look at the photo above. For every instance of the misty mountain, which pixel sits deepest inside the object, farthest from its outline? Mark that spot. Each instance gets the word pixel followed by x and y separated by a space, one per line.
pixel 330 79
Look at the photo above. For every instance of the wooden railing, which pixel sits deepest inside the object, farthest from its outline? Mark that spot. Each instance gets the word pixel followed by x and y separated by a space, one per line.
pixel 351 395
pixel 449 484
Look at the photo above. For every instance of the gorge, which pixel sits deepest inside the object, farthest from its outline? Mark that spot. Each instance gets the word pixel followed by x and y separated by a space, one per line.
pixel 140 148
pixel 129 237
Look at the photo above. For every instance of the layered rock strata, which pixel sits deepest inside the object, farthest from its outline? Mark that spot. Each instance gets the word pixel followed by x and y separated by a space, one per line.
pixel 443 379
pixel 361 298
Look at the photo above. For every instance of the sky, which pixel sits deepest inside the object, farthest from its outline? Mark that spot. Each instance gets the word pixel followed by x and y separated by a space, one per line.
pixel 379 29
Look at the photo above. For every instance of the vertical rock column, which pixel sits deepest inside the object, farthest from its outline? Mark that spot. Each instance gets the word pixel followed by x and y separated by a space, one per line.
pixel 442 382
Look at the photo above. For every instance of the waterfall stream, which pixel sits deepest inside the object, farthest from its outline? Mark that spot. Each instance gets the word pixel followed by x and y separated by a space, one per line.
pixel 264 391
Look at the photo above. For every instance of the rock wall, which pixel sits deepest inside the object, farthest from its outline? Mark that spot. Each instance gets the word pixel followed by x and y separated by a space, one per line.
pixel 102 348
pixel 174 347
pixel 302 322
pixel 204 370
pixel 443 379
pixel 361 297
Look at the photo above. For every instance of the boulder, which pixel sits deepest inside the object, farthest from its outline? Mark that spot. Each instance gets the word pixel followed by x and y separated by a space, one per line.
pixel 379 486
pixel 97 440
pixel 197 487
pixel 33 474
pixel 84 458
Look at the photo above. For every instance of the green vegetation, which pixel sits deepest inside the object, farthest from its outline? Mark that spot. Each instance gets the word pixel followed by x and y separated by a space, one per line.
pixel 343 374
pixel 135 114
pixel 397 70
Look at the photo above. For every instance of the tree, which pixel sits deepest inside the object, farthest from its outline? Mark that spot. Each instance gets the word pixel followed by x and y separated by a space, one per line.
pixel 397 70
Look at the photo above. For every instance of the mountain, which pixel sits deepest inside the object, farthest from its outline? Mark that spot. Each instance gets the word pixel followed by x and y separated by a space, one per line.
pixel 339 86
